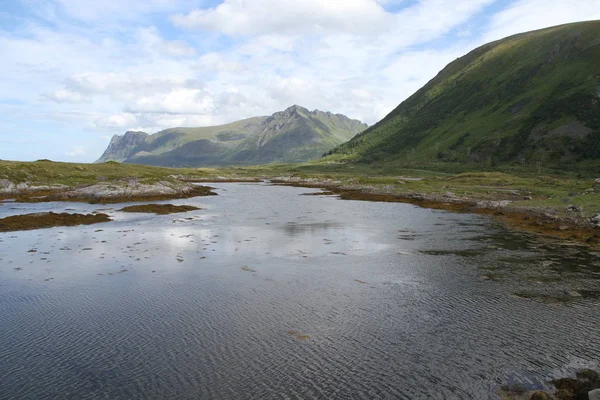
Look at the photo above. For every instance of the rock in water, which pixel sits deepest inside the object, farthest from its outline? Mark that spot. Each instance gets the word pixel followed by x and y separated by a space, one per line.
pixel 594 394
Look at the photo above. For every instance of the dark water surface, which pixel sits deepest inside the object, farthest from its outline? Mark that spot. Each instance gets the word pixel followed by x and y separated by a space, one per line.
pixel 269 294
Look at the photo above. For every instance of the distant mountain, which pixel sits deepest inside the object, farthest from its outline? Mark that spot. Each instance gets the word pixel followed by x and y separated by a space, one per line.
pixel 528 98
pixel 293 135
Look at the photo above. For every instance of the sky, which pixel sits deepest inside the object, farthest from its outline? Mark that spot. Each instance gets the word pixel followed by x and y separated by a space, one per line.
pixel 75 72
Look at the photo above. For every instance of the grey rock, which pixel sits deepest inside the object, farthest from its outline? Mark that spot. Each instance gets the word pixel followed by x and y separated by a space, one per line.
pixel 594 394
pixel 573 208
pixel 119 189
pixel 493 203
pixel 120 147
pixel 6 186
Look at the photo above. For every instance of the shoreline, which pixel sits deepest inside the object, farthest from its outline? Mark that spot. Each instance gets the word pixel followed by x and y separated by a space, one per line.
pixel 108 192
pixel 537 220
pixel 543 221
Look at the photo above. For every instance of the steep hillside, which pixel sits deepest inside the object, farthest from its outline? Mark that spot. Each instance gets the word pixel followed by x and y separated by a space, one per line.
pixel 293 135
pixel 527 99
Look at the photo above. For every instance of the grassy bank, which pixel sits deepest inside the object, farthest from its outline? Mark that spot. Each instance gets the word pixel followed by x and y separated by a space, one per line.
pixel 522 189
pixel 569 199
pixel 526 189
pixel 45 172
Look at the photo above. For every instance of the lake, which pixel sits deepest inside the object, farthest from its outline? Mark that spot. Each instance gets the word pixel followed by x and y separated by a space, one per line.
pixel 267 293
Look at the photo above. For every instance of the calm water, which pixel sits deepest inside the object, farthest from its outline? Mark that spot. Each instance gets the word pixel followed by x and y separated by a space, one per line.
pixel 200 305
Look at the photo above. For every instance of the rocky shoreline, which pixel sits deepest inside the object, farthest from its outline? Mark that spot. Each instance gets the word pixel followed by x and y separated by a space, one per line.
pixel 545 221
pixel 120 191
pixel 584 386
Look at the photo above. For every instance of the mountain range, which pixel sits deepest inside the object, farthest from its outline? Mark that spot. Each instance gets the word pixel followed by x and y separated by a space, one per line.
pixel 532 98
pixel 293 135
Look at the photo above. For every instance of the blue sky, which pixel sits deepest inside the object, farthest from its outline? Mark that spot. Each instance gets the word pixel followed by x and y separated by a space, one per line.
pixel 75 72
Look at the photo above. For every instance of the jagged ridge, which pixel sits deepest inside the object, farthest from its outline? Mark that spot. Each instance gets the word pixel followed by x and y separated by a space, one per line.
pixel 292 135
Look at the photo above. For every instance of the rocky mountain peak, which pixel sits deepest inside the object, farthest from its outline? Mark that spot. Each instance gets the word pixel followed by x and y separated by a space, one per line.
pixel 292 135
pixel 120 146
pixel 135 134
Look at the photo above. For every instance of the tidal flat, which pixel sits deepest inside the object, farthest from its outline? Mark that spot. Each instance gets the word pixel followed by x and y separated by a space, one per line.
pixel 263 292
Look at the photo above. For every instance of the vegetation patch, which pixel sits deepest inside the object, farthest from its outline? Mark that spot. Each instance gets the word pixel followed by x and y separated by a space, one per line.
pixel 575 388
pixel 160 209
pixel 220 180
pixel 298 335
pixel 460 253
pixel 491 276
pixel 323 193
pixel 543 298
pixel 49 220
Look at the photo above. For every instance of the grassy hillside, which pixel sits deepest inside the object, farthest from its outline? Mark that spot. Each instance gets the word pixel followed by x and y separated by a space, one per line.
pixel 530 100
pixel 157 147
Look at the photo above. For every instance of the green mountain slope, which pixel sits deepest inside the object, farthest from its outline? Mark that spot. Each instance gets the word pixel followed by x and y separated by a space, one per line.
pixel 526 99
pixel 293 135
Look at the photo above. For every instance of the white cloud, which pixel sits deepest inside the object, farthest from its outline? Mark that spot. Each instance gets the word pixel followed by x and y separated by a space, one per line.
pixel 116 9
pixel 240 17
pixel 178 101
pixel 527 15
pixel 216 62
pixel 65 96
pixel 116 121
pixel 76 151
pixel 176 48
pixel 366 19
pixel 126 85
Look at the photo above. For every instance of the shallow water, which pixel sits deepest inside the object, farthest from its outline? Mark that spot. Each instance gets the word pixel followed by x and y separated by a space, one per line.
pixel 269 294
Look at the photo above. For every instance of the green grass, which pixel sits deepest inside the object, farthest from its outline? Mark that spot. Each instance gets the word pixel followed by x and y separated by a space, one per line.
pixel 555 191
pixel 59 173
